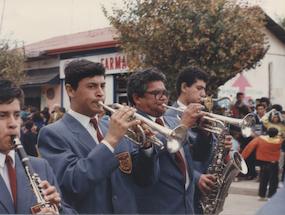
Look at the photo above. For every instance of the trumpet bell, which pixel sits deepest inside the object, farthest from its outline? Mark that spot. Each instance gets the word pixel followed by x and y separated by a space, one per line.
pixel 177 139
pixel 247 125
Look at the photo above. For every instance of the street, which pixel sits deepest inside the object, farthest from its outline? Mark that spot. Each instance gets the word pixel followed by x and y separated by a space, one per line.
pixel 242 198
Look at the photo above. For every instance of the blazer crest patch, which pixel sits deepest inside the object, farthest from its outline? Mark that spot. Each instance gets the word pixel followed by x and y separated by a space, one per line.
pixel 125 162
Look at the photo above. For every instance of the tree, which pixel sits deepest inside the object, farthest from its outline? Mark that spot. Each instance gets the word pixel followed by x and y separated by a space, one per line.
pixel 11 61
pixel 222 37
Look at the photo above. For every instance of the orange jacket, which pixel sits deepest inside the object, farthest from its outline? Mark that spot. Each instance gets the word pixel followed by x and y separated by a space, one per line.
pixel 267 148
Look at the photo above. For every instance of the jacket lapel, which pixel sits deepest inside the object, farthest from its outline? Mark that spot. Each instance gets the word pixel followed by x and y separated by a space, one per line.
pixel 5 197
pixel 79 131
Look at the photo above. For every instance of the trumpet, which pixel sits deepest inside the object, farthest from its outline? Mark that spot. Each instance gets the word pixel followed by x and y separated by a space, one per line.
pixel 246 124
pixel 176 138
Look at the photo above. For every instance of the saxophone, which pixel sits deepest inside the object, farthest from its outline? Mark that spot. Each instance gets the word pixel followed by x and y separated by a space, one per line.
pixel 32 177
pixel 214 200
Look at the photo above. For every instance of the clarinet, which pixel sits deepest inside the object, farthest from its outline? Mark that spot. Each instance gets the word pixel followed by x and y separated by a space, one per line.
pixel 32 177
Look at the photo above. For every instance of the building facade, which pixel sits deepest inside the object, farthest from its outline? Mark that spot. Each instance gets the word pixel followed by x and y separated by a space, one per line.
pixel 47 59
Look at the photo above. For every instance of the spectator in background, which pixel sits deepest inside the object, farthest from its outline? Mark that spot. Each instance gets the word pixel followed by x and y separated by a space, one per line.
pixel 251 104
pixel 56 115
pixel 273 118
pixel 239 103
pixel 62 110
pixel 38 121
pixel 25 111
pixel 45 115
pixel 32 111
pixel 259 128
pixel 257 102
pixel 29 140
pixel 277 107
pixel 268 152
pixel 266 103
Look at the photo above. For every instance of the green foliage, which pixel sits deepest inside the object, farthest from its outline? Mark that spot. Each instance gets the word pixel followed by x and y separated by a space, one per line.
pixel 11 61
pixel 220 36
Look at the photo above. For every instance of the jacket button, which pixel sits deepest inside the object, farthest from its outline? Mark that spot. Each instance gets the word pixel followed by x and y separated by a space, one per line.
pixel 115 197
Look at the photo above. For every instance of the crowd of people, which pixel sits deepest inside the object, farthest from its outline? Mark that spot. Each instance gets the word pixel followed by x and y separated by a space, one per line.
pixel 262 151
pixel 32 120
pixel 93 168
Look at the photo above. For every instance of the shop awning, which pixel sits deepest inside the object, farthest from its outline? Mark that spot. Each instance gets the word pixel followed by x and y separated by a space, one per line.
pixel 39 77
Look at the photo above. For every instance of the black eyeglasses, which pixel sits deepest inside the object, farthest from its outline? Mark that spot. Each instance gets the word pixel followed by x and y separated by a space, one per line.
pixel 158 94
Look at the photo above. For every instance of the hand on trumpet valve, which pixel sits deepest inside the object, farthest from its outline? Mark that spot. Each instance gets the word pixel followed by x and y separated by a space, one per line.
pixel 203 123
pixel 119 124
pixel 191 114
pixel 148 131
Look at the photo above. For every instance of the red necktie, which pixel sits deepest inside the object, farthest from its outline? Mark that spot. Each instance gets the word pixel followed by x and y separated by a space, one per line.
pixel 95 125
pixel 13 178
pixel 178 157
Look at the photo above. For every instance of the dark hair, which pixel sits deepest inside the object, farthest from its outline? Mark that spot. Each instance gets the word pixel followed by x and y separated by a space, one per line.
pixel 25 118
pixel 36 117
pixel 33 110
pixel 9 91
pixel 45 113
pixel 264 99
pixel 244 110
pixel 277 107
pixel 62 109
pixel 25 108
pixel 29 124
pixel 77 70
pixel 272 132
pixel 239 94
pixel 138 81
pixel 190 75
pixel 260 105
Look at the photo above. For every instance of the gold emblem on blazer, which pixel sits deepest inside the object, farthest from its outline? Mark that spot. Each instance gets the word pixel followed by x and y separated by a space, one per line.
pixel 125 162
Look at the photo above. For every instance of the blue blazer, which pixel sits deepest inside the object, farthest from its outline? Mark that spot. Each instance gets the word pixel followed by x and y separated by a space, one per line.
pixel 91 177
pixel 202 159
pixel 25 197
pixel 168 195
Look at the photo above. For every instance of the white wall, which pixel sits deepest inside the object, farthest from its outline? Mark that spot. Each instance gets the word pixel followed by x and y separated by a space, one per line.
pixel 258 78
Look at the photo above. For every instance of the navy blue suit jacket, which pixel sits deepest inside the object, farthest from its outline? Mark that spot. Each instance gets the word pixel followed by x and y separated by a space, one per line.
pixel 168 195
pixel 89 174
pixel 25 197
pixel 200 165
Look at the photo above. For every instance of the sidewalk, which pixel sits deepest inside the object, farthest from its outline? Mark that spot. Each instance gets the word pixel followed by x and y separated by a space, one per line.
pixel 244 187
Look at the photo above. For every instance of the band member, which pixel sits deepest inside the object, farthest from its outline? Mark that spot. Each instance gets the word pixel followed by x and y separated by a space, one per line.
pixel 95 165
pixel 15 195
pixel 174 192
pixel 190 86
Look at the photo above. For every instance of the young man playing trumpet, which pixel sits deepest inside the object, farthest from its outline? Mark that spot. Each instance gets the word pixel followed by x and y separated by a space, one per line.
pixel 15 195
pixel 174 192
pixel 190 86
pixel 95 165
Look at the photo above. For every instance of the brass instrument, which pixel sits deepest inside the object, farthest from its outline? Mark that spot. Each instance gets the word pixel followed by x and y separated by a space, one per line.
pixel 32 177
pixel 246 124
pixel 176 138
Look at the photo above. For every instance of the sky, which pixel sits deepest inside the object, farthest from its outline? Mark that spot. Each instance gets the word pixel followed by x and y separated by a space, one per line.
pixel 31 21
